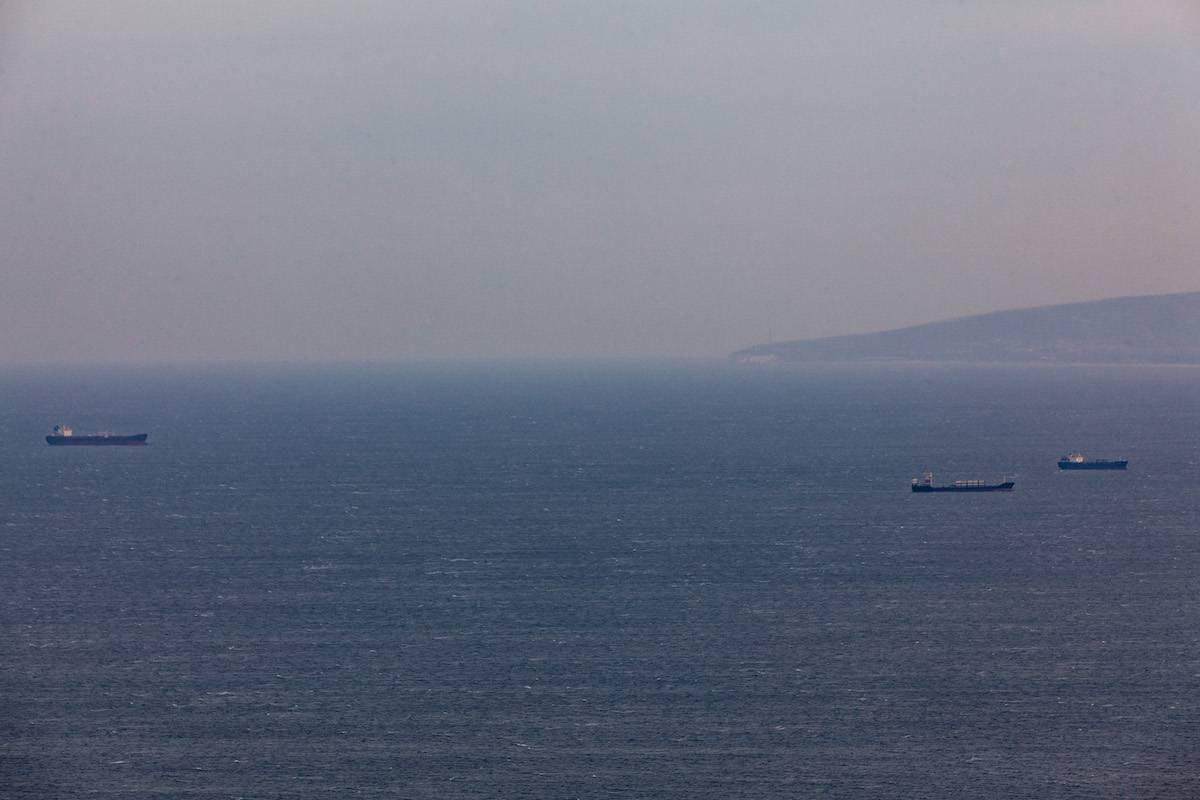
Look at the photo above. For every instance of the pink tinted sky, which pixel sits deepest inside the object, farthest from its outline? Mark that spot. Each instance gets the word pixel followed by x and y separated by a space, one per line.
pixel 373 180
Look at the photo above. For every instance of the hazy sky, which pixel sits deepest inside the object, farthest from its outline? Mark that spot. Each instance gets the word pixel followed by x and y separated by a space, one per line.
pixel 291 179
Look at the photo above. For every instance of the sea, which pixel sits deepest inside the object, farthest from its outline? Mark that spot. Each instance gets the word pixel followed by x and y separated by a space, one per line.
pixel 602 580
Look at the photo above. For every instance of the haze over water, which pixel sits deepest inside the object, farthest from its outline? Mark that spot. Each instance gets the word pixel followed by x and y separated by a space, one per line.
pixel 292 180
pixel 660 580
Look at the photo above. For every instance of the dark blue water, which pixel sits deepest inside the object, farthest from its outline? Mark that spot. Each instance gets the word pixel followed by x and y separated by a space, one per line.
pixel 676 581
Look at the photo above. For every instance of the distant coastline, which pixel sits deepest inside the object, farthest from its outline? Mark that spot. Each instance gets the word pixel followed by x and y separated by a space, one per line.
pixel 1148 329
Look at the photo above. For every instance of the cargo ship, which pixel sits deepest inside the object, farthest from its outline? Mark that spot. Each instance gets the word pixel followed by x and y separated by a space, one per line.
pixel 63 435
pixel 925 484
pixel 1077 461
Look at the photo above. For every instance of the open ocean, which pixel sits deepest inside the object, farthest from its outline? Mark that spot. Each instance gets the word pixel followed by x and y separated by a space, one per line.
pixel 650 580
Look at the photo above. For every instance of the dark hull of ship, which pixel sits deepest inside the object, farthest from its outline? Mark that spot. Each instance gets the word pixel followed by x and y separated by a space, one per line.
pixel 84 441
pixel 1092 464
pixel 1007 486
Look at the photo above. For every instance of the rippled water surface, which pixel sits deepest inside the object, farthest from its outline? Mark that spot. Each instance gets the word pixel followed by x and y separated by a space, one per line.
pixel 675 581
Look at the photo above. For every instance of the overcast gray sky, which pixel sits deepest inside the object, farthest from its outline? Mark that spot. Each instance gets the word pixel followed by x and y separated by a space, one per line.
pixel 292 179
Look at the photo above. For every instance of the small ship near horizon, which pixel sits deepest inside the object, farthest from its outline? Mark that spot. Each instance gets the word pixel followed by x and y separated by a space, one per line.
pixel 1077 461
pixel 925 484
pixel 63 436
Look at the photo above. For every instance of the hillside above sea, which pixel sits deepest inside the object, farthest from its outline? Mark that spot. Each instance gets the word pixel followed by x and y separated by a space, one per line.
pixel 1150 329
